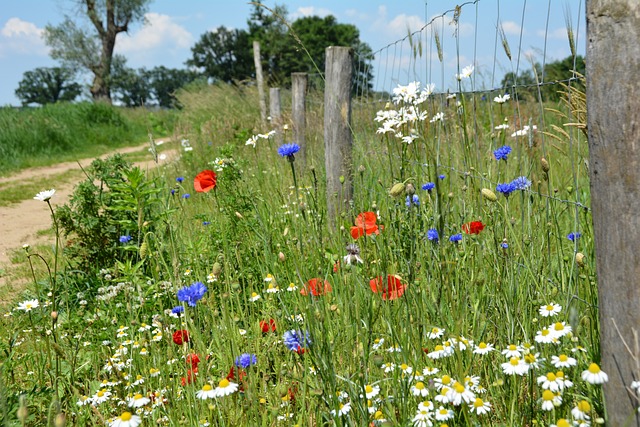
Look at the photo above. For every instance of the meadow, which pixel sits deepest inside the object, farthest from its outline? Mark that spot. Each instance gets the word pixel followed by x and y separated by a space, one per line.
pixel 457 288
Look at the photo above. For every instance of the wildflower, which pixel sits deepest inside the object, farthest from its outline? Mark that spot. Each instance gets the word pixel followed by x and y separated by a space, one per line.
pixel 193 359
pixel 444 414
pixel 316 287
pixel 205 181
pixel 573 236
pixel 423 418
pixel 392 290
pixel 442 176
pixel 296 340
pixel 550 400
pixel 512 351
pixel 419 389
pixel 406 369
pixel 515 366
pixel 439 117
pixel 138 401
pixel 524 131
pixel 371 391
pixel 101 396
pixel 480 406
pixel 28 305
pixel 225 388
pixel 412 200
pixel 550 309
pixel 45 196
pixel 181 336
pixel 466 72
pixel 593 375
pixel 459 393
pixel 521 183
pixel 186 196
pixel 473 227
pixel 455 238
pixel 562 422
pixel 245 360
pixel 505 189
pixel 483 348
pixel 443 382
pixel 267 326
pixel 429 186
pixel 581 411
pixel 125 239
pixel 192 294
pixel 254 297
pixel 365 225
pixel 560 329
pixel 288 150
pixel 179 179
pixel 127 419
pixel 549 382
pixel 501 99
pixel 563 361
pixel 502 153
pixel 343 409
pixel 432 235
pixel 502 126
pixel 353 254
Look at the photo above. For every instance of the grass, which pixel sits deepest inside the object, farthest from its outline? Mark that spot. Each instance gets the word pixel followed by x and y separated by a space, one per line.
pixel 272 265
pixel 65 132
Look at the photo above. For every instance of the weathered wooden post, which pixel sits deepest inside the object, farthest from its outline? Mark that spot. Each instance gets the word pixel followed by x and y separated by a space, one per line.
pixel 613 117
pixel 298 115
pixel 275 112
pixel 260 81
pixel 337 130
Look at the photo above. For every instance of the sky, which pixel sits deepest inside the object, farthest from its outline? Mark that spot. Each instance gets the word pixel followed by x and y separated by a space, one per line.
pixel 534 28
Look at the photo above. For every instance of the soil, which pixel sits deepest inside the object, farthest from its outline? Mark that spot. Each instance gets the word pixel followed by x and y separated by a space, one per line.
pixel 20 223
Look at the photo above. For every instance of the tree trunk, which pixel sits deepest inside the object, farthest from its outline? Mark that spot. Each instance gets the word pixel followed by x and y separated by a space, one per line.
pixel 613 116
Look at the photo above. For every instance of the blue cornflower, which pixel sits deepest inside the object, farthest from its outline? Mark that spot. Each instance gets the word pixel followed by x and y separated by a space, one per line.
pixel 429 186
pixel 573 236
pixel 205 223
pixel 245 360
pixel 288 150
pixel 455 238
pixel 295 340
pixel 192 294
pixel 432 234
pixel 186 196
pixel 442 176
pixel 504 245
pixel 125 239
pixel 180 179
pixel 502 153
pixel 521 183
pixel 505 189
pixel 173 191
pixel 178 309
pixel 415 200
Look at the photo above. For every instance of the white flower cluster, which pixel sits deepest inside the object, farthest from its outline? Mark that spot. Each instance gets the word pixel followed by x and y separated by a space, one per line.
pixel 252 141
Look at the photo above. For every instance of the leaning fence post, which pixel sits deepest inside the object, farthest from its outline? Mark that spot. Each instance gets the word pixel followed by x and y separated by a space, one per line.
pixel 260 81
pixel 298 115
pixel 275 111
pixel 613 114
pixel 337 130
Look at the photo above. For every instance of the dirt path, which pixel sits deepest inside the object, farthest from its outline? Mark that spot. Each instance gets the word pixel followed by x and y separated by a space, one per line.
pixel 21 222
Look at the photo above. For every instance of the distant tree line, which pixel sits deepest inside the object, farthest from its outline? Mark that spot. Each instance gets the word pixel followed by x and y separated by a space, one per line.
pixel 87 43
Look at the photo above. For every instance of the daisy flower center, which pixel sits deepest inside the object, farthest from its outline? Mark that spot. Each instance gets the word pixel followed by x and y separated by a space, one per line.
pixel 458 387
pixel 126 416
pixel 594 369
pixel 512 347
pixel 514 361
pixel 551 376
pixel 420 385
pixel 478 403
pixel 482 345
pixel 206 387
pixel 547 395
pixel 446 379
pixel 584 406
pixel 137 396
pixel 223 383
pixel 368 389
pixel 563 358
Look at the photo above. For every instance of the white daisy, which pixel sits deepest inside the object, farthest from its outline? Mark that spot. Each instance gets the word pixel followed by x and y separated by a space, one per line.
pixel 480 406
pixel 254 297
pixel 444 414
pixel 515 366
pixel 138 401
pixel 419 389
pixel 594 375
pixel 550 400
pixel 225 388
pixel 127 419
pixel 371 391
pixel 550 309
pixel 563 361
pixel 581 411
pixel 512 351
pixel 343 409
pixel 45 196
pixel 501 99
pixel 28 305
pixel 483 348
pixel 435 333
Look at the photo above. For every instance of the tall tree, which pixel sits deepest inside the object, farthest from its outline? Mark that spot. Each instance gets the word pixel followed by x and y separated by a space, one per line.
pixel 128 86
pixel 223 55
pixel 47 86
pixel 166 81
pixel 91 44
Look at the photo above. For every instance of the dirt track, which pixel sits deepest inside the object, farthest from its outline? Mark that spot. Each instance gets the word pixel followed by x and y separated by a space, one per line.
pixel 21 222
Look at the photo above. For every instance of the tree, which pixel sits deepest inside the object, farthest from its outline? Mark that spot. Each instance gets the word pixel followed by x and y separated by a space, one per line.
pixel 47 86
pixel 223 55
pixel 166 81
pixel 128 86
pixel 91 46
pixel 270 29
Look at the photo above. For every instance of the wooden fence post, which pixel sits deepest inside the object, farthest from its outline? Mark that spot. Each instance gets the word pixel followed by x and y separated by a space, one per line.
pixel 337 130
pixel 275 112
pixel 613 117
pixel 260 81
pixel 298 113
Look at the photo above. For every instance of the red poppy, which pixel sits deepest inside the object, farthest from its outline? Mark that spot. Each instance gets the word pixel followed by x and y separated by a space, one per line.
pixel 180 337
pixel 193 360
pixel 392 290
pixel 231 376
pixel 473 227
pixel 267 326
pixel 315 287
pixel 205 181
pixel 365 224
pixel 191 374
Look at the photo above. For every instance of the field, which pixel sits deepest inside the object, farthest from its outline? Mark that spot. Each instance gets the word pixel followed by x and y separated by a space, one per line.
pixel 456 289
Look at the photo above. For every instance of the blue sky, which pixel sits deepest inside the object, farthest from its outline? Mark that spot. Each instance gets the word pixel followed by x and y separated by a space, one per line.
pixel 172 27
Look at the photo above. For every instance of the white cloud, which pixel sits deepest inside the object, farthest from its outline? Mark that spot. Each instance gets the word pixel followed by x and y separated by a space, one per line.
pixel 510 27
pixel 21 37
pixel 557 34
pixel 158 32
pixel 311 11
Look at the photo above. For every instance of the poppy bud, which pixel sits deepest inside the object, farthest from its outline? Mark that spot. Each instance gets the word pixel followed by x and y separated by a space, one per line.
pixel 60 420
pixel 281 257
pixel 397 189
pixel 545 164
pixel 580 259
pixel 217 269
pixel 54 316
pixel 410 189
pixel 489 195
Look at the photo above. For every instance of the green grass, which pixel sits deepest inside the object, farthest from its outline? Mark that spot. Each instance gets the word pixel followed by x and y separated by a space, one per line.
pixel 256 233
pixel 64 132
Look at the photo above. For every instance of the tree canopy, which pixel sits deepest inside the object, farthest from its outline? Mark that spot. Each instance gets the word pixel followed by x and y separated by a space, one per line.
pixel 47 86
